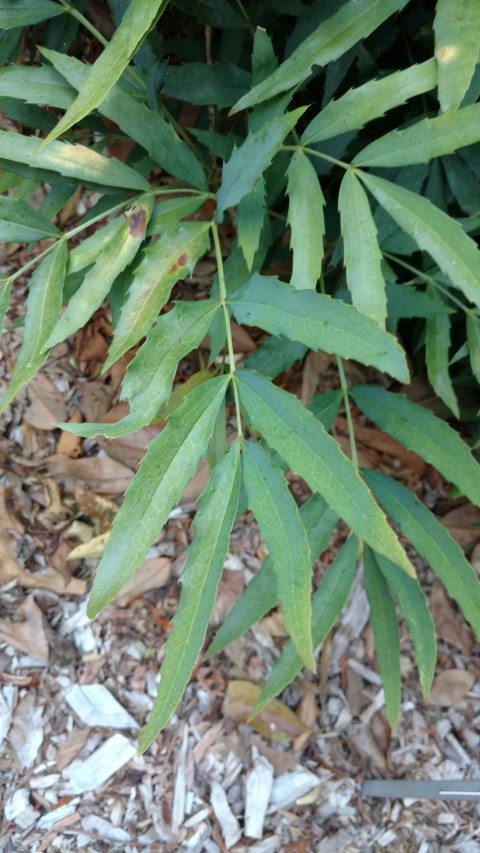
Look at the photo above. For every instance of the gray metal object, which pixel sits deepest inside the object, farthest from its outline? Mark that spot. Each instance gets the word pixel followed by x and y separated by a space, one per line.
pixel 442 789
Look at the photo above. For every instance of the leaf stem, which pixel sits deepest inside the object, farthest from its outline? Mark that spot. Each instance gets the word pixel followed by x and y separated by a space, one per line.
pixel 348 412
pixel 228 330
pixel 317 154
pixel 428 279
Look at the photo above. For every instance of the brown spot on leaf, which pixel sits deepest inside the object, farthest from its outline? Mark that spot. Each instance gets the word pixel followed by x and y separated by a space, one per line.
pixel 138 223
pixel 179 264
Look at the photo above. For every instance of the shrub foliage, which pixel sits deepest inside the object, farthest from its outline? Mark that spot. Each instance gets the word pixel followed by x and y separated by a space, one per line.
pixel 352 128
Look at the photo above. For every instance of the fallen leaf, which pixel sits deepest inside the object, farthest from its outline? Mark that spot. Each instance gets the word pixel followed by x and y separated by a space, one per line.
pixel 92 341
pixel 46 405
pixel 26 734
pixel 28 632
pixel 98 473
pixel 383 443
pixel 463 523
pixel 242 341
pixel 152 574
pixel 89 550
pixel 69 444
pixel 451 686
pixel 450 625
pixel 96 400
pixel 314 366
pixel 276 722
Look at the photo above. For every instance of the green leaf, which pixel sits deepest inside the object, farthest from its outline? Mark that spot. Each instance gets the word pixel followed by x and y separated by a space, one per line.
pixel 247 163
pixel 362 256
pixel 73 161
pixel 216 514
pixel 413 606
pixel 220 84
pixel 370 101
pixel 429 138
pixel 87 252
pixel 280 525
pixel 463 183
pixel 250 214
pixel 310 452
pixel 383 620
pixel 437 353
pixel 433 542
pixel 473 339
pixel 135 119
pixel 149 378
pixel 19 222
pixel 419 430
pixel 327 603
pixel 98 281
pixel 261 593
pixel 306 220
pixel 35 85
pixel 43 305
pixel 318 321
pixel 139 18
pixel 168 212
pixel 163 263
pixel 406 301
pixel 23 13
pixel 170 461
pixel 274 355
pixel 355 20
pixel 5 293
pixel 434 232
pixel 326 406
pixel 457 36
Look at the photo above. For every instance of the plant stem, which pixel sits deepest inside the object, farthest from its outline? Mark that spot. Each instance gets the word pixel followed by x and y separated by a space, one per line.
pixel 317 154
pixel 346 400
pixel 228 330
pixel 428 279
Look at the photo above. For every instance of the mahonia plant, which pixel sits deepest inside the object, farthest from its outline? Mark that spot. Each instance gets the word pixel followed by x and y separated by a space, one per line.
pixel 381 213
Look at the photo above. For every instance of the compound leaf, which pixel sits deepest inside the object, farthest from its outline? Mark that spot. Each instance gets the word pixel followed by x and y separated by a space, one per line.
pixel 139 18
pixel 170 461
pixel 434 232
pixel 370 101
pixel 327 603
pixel 355 20
pixel 413 606
pixel 163 263
pixel 247 163
pixel 306 220
pixel 216 513
pixel 361 250
pixel 309 451
pixel 43 306
pixel 318 321
pixel 115 257
pixel 457 36
pixel 432 541
pixel 261 593
pixel 419 430
pixel 383 619
pixel 429 138
pixel 280 525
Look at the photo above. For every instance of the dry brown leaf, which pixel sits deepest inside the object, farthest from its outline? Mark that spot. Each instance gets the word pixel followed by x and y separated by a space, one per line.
pixel 152 574
pixel 98 473
pixel 449 623
pixel 383 443
pixel 96 400
pixel 276 722
pixel 314 366
pixel 100 510
pixel 451 686
pixel 230 588
pixel 46 405
pixel 242 342
pixel 69 444
pixel 91 342
pixel 27 633
pixel 89 550
pixel 460 523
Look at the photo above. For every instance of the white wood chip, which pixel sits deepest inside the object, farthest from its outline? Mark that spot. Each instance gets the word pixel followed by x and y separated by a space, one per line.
pixel 196 842
pixel 289 787
pixel 19 810
pixel 56 815
pixel 180 789
pixel 96 706
pixel 268 845
pixel 258 788
pixel 198 817
pixel 26 734
pixel 90 774
pixel 229 824
pixel 42 782
pixel 6 704
pixel 103 828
